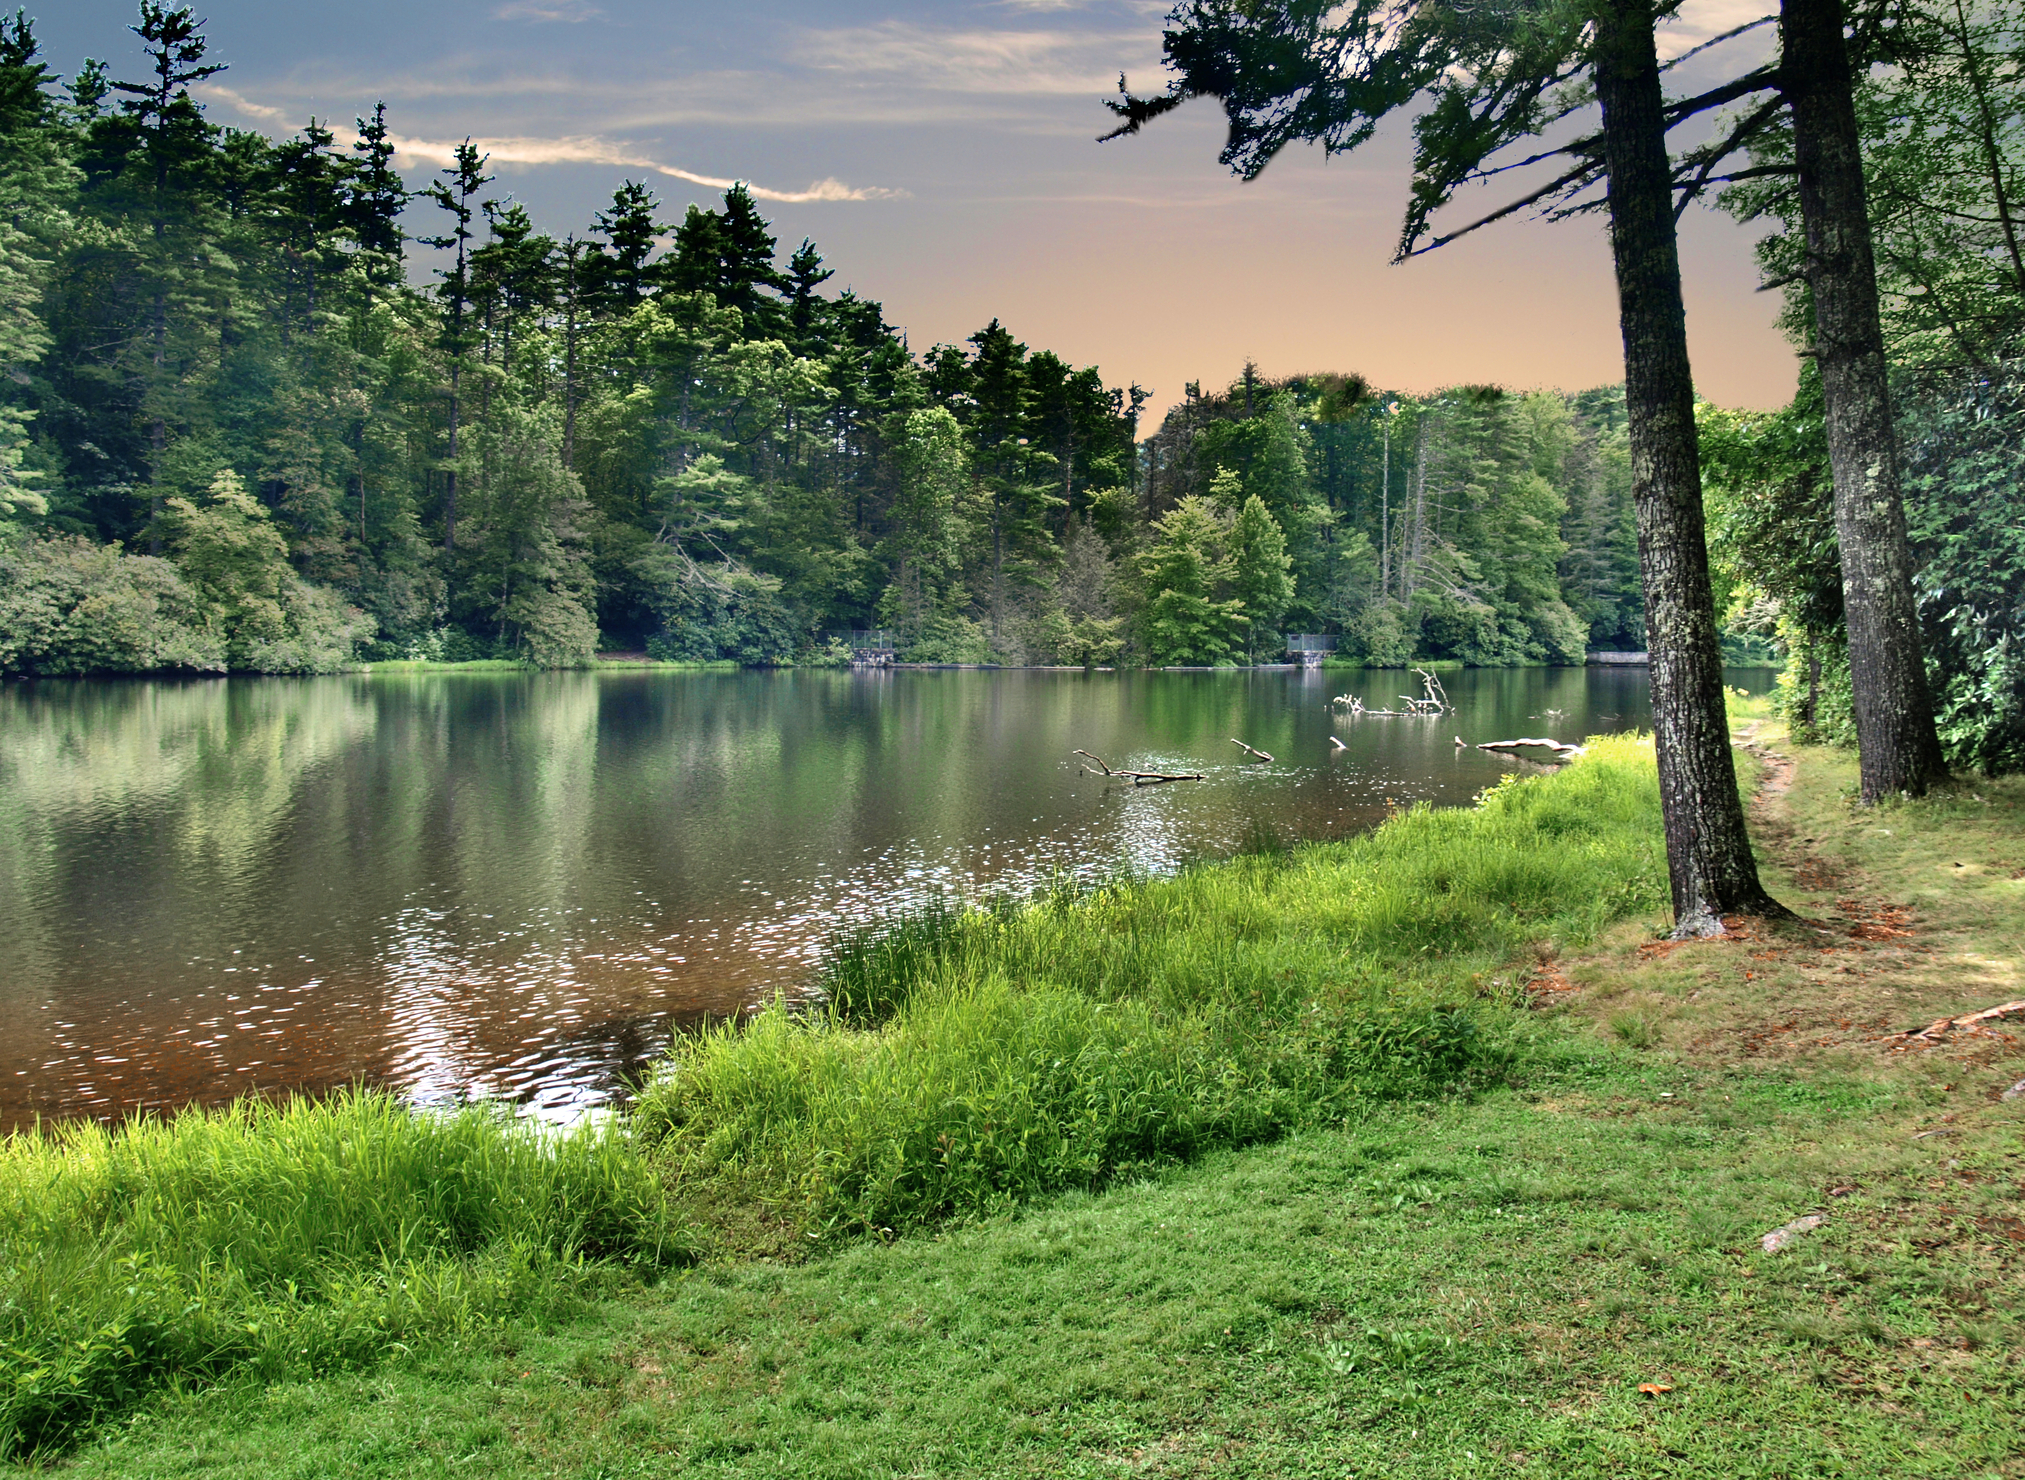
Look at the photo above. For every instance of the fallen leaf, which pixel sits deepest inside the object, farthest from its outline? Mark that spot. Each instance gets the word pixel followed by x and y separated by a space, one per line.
pixel 1654 1389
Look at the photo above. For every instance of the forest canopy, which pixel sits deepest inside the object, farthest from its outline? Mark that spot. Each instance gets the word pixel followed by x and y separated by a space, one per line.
pixel 268 406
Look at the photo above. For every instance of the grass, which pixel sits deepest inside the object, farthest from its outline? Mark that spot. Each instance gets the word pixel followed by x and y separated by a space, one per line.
pixel 519 665
pixel 287 1241
pixel 1432 1285
pixel 427 665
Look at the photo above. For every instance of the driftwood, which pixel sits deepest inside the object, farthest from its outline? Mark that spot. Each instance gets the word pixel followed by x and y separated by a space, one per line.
pixel 1137 778
pixel 1251 750
pixel 1935 1031
pixel 1564 752
pixel 1433 700
pixel 1358 711
pixel 1337 743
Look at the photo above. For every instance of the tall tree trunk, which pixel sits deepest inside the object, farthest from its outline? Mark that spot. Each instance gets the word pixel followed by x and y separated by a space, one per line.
pixel 1898 748
pixel 1708 851
pixel 450 474
pixel 158 427
pixel 1385 516
pixel 569 447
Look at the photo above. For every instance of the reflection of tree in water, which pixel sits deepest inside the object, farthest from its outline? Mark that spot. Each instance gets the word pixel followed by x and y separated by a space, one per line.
pixel 210 769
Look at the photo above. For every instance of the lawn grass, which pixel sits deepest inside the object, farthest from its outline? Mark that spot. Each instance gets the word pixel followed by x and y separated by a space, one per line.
pixel 1437 1285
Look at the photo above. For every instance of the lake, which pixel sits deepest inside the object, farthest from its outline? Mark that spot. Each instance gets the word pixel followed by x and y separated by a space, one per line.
pixel 520 884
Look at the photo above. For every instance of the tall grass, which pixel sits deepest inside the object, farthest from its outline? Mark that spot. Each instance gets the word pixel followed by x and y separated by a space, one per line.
pixel 297 1238
pixel 970 1058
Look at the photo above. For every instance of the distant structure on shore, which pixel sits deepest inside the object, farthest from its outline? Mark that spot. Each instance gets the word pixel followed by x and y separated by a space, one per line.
pixel 1626 659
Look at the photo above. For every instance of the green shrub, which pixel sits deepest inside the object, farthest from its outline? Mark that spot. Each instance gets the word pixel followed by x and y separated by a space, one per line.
pixel 68 606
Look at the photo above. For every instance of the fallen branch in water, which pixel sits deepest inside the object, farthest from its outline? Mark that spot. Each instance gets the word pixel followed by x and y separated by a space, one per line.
pixel 1565 752
pixel 1940 1028
pixel 1251 750
pixel 1337 743
pixel 1137 778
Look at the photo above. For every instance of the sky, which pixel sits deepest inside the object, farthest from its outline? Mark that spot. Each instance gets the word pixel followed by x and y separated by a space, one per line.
pixel 942 154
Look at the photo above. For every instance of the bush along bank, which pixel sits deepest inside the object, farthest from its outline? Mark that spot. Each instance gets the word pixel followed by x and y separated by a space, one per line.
pixel 969 1059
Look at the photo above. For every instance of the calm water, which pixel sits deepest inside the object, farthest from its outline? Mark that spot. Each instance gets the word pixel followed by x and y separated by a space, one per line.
pixel 520 884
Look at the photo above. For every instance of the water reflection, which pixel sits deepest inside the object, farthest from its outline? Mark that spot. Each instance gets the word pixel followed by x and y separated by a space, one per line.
pixel 519 884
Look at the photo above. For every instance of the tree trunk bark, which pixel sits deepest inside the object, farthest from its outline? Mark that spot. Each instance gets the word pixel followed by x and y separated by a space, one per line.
pixel 1708 851
pixel 1898 748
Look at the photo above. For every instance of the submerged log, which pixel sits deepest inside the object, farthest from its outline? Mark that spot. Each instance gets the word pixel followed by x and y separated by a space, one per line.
pixel 1251 750
pixel 1137 778
pixel 1565 752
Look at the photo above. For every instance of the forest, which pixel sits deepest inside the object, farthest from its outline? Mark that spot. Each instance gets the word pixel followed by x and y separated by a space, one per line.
pixel 271 409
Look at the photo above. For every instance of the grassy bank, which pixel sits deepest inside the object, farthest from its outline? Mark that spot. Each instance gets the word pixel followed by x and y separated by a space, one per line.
pixel 288 1242
pixel 518 665
pixel 975 1059
pixel 1556 1273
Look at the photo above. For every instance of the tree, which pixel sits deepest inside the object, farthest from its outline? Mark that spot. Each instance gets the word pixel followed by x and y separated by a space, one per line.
pixel 1258 578
pixel 269 619
pixel 34 181
pixel 465 178
pixel 729 254
pixel 1187 617
pixel 616 278
pixel 173 139
pixel 375 197
pixel 931 479
pixel 805 274
pixel 1898 747
pixel 1315 70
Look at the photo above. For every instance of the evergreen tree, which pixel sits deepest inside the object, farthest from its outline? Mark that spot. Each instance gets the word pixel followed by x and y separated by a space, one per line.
pixel 374 199
pixel 465 177
pixel 1187 619
pixel 616 278
pixel 1258 579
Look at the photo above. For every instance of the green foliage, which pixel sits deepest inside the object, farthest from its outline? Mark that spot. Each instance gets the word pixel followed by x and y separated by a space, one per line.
pixel 1772 535
pixel 1965 512
pixel 289 1241
pixel 974 1058
pixel 1188 617
pixel 68 607
pixel 268 617
pixel 1258 576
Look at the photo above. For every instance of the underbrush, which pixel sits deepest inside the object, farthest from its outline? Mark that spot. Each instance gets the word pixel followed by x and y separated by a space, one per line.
pixel 287 1240
pixel 973 1058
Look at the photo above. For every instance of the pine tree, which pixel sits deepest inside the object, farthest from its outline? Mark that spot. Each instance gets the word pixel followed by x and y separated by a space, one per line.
pixel 172 141
pixel 616 279
pixel 465 177
pixel 375 197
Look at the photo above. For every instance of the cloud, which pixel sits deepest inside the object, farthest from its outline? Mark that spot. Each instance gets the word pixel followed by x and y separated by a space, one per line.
pixel 591 150
pixel 571 11
pixel 570 149
pixel 1701 21
pixel 1028 62
pixel 239 101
